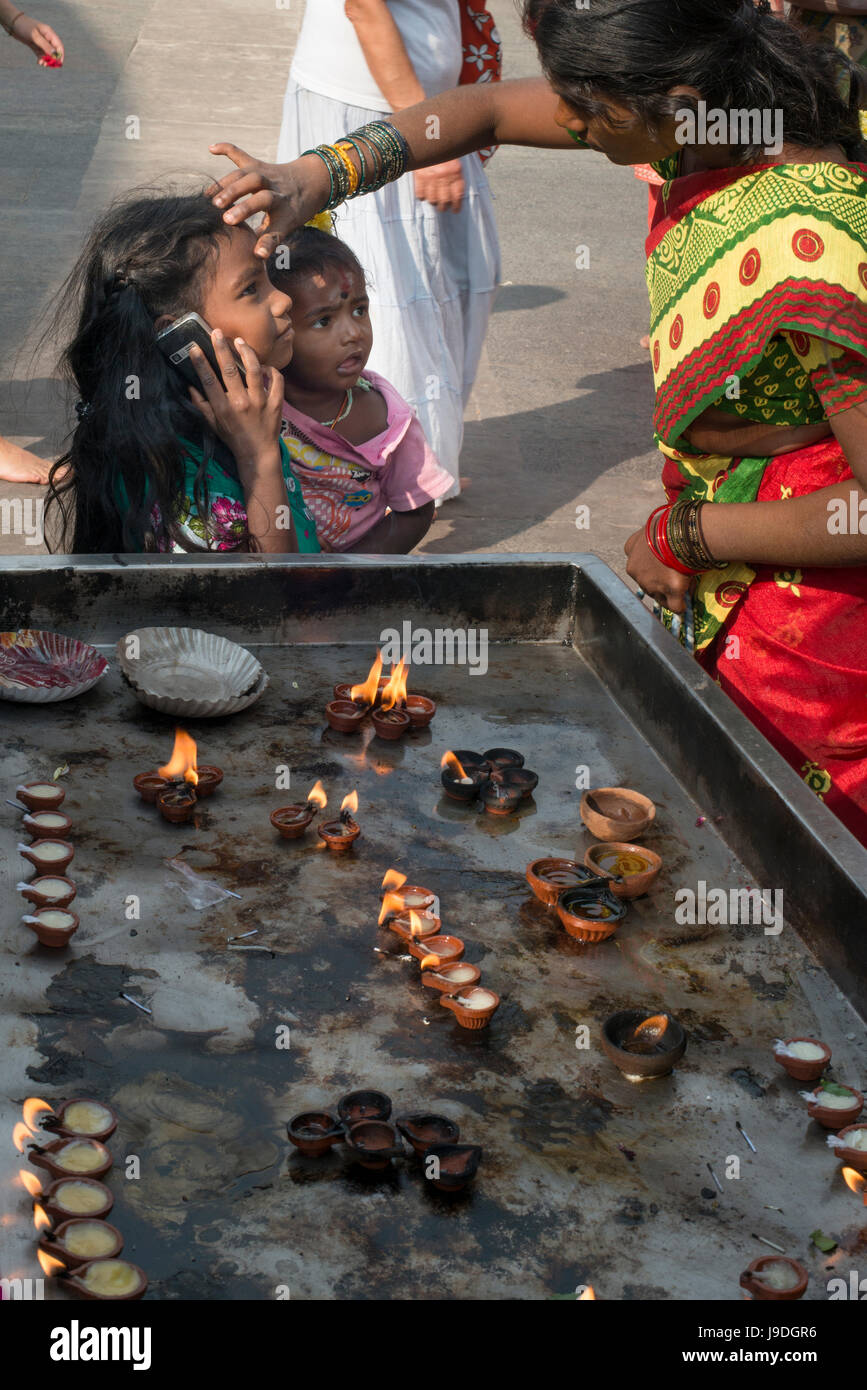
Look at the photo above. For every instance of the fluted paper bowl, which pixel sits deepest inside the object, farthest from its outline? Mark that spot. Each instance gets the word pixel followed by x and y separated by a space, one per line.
pixel 41 668
pixel 185 671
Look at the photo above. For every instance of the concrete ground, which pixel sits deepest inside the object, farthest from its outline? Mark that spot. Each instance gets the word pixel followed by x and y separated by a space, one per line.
pixel 561 411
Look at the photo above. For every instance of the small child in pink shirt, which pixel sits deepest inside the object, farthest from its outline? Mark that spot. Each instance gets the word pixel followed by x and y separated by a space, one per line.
pixel 366 471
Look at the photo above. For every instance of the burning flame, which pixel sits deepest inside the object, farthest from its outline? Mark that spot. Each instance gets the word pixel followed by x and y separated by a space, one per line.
pixel 395 691
pixel 855 1182
pixel 368 690
pixel 183 760
pixel 31 1182
pixel 41 1219
pixel 49 1264
pixel 587 1296
pixel 393 878
pixel 391 903
pixel 414 923
pixel 32 1109
pixel 317 795
pixel 450 761
pixel 20 1134
pixel 430 961
pixel 657 1023
pixel 350 803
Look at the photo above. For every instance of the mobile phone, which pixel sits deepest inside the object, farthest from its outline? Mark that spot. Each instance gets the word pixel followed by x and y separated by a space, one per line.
pixel 175 343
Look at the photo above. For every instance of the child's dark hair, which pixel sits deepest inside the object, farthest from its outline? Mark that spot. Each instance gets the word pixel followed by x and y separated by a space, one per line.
pixel 147 256
pixel 737 55
pixel 310 251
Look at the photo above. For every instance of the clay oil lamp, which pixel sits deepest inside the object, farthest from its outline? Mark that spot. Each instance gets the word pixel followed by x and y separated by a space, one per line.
pixel 400 896
pixel 71 1157
pixel 366 695
pixel 209 780
pixel 472 1005
pixel 436 950
pixel 414 926
pixel 374 1144
pixel 421 710
pixel 344 716
pixel 502 758
pixel 176 802
pixel 630 869
pixel 53 926
pixel 590 914
pixel 114 1280
pixel 50 890
pixel 850 1146
pixel 422 1131
pixel 501 798
pixel 48 856
pixel 80 1240
pixel 340 834
pixel 41 825
pixel 40 796
pixel 549 877
pixel 643 1047
pixel 520 777
pixel 291 821
pixel 456 1165
pixel 82 1117
pixel 461 780
pixel 803 1058
pixel 775 1277
pixel 451 976
pixel 73 1197
pixel 832 1106
pixel 148 785
pixel 314 1133
pixel 390 719
pixel 363 1105
pixel 616 813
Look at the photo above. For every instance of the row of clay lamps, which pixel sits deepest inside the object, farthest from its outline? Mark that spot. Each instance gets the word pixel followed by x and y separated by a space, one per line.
pixel 346 715
pixel 498 776
pixel 176 798
pixel 71 1213
pixel 363 1125
pixel 49 891
pixel 291 822
pixel 409 911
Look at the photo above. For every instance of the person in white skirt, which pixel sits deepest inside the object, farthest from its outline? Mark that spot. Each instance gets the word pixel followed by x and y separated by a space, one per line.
pixel 429 241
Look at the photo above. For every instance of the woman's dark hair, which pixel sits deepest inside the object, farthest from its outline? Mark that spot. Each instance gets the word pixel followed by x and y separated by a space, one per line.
pixel 310 251
pixel 738 56
pixel 147 256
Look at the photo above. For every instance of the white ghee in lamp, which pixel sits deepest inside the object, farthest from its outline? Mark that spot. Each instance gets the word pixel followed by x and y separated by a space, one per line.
pixel 86 1118
pixel 778 1275
pixel 857 1140
pixel 52 888
pixel 91 1238
pixel 832 1102
pixel 111 1278
pixel 415 899
pixel 45 791
pixel 48 820
pixel 460 974
pixel 806 1051
pixel 49 851
pixel 78 1158
pixel 477 999
pixel 77 1197
pixel 55 917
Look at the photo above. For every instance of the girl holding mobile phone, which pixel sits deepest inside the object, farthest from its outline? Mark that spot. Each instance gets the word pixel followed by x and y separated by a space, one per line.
pixel 153 463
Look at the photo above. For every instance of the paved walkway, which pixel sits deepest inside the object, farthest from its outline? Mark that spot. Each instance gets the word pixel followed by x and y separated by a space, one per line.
pixel 561 411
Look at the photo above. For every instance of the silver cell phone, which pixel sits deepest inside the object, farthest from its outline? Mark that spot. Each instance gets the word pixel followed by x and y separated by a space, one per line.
pixel 175 343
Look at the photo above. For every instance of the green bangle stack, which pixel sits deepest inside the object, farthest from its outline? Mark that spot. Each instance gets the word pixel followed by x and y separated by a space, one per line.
pixel 387 159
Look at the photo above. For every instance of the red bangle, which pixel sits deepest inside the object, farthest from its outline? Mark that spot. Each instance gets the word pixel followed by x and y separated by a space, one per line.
pixel 655 533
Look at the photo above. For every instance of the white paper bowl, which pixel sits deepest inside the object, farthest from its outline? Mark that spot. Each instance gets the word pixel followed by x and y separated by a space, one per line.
pixel 40 668
pixel 185 671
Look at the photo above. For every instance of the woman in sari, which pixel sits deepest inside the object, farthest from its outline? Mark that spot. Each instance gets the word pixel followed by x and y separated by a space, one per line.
pixel 757 272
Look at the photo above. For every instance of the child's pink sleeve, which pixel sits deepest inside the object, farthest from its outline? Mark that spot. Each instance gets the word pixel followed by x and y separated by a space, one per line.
pixel 414 474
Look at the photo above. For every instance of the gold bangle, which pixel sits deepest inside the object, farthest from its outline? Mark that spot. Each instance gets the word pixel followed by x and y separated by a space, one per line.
pixel 10 25
pixel 341 151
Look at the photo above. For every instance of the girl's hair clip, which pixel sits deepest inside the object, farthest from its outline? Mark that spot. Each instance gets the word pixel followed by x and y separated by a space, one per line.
pixel 83 409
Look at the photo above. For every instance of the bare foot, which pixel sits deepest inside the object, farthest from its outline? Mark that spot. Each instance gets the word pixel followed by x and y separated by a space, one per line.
pixel 18 465
pixel 645 342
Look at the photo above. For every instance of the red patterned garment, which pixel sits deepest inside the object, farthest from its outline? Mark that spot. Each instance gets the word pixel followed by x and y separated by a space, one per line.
pixel 483 53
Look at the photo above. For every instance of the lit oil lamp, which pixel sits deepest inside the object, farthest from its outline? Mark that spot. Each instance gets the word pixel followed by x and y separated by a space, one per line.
pixel 390 719
pixel 48 856
pixel 616 813
pixel 81 1116
pixel 52 926
pixel 631 869
pixel 72 1197
pixel 363 1105
pixel 850 1147
pixel 472 1006
pixel 314 1133
pixel 803 1058
pixel 80 1240
pixel 40 796
pixel 833 1106
pixel 423 1131
pixel 41 825
pixel 643 1047
pixel 351 703
pixel 461 779
pixel 589 913
pixel 775 1277
pixel 400 896
pixel 414 926
pixel 456 1165
pixel 49 890
pixel 176 802
pixel 292 821
pixel 113 1279
pixel 856 1182
pixel 340 834
pixel 368 693
pixel 71 1157
pixel 435 951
